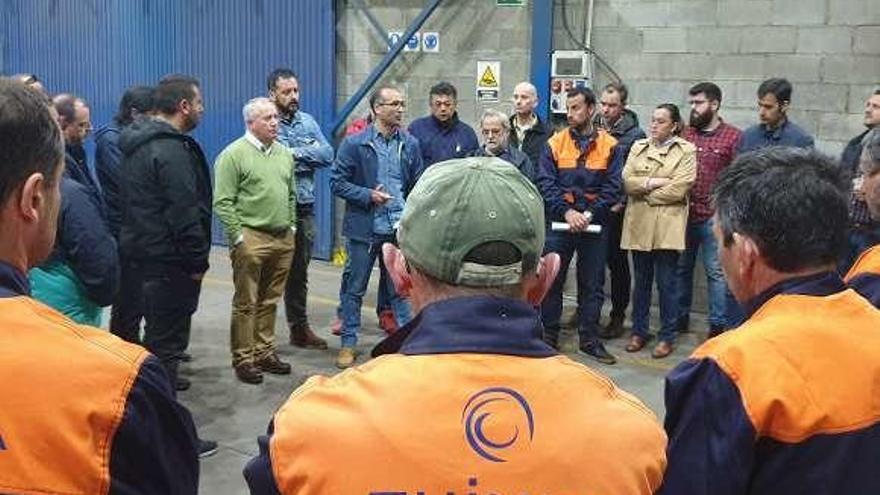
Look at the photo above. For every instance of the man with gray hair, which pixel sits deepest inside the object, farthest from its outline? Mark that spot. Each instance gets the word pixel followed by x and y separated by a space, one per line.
pixel 864 276
pixel 255 199
pixel 495 130
pixel 530 133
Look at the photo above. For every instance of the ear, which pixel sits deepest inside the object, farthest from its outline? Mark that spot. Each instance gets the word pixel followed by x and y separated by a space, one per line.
pixel 184 106
pixel 548 268
pixel 784 107
pixel 748 254
pixel 33 198
pixel 395 264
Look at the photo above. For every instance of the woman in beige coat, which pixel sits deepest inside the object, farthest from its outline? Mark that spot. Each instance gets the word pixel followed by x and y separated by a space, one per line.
pixel 657 176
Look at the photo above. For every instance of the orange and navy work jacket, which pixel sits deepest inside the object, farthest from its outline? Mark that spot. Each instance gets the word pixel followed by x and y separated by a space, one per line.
pixel 864 276
pixel 786 404
pixel 474 402
pixel 580 172
pixel 84 413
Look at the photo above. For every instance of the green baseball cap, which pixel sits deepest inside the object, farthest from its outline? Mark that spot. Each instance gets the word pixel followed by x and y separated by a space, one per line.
pixel 459 205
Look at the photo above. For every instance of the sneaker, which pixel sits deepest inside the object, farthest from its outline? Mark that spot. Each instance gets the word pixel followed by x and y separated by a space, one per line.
pixel 336 326
pixel 207 448
pixel 248 373
pixel 387 322
pixel 614 328
pixel 596 350
pixel 346 358
pixel 271 364
pixel 303 336
pixel 182 384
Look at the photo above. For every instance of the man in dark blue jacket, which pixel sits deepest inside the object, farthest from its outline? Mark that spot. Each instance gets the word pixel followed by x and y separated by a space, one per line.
pixel 441 135
pixel 775 129
pixel 373 172
pixel 127 312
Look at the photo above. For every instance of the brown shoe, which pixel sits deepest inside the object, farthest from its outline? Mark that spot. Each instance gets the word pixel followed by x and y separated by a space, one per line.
pixel 271 364
pixel 248 373
pixel 662 349
pixel 303 336
pixel 346 357
pixel 636 343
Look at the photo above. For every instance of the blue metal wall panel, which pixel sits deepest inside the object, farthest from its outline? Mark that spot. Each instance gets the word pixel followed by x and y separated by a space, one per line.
pixel 97 48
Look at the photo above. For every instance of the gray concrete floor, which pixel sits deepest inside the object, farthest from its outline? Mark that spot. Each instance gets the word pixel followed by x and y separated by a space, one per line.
pixel 234 414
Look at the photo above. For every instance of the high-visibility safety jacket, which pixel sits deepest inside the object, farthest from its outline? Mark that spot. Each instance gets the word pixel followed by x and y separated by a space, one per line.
pixel 864 276
pixel 84 413
pixel 581 173
pixel 474 402
pixel 786 404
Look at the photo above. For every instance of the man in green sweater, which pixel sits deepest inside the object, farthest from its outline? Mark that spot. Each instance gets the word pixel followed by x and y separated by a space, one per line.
pixel 255 198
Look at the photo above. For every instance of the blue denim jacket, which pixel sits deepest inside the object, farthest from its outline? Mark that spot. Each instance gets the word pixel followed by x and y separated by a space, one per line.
pixel 310 148
pixel 385 217
pixel 356 171
pixel 788 134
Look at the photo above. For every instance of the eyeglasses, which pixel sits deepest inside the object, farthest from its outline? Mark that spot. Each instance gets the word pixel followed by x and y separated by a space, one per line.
pixel 393 104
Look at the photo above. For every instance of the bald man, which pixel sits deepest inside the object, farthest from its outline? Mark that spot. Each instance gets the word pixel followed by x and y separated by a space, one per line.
pixel 528 132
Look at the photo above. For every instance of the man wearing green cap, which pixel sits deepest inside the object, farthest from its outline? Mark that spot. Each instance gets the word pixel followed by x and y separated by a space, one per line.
pixel 467 397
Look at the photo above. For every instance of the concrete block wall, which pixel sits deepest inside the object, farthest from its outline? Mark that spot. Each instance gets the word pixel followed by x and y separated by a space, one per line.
pixel 829 49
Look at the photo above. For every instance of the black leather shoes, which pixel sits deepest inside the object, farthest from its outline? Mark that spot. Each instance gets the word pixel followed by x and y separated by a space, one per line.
pixel 596 350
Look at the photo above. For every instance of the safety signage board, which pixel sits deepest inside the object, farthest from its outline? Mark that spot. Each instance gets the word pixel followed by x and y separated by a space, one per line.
pixel 488 81
pixel 412 45
pixel 431 42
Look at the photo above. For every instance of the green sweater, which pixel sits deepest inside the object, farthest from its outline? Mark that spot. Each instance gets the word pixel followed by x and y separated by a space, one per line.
pixel 254 189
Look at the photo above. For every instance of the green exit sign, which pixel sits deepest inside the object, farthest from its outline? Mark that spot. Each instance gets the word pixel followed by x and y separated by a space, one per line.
pixel 510 3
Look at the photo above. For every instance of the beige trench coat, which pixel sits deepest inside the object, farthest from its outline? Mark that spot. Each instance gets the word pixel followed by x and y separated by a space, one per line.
pixel 657 219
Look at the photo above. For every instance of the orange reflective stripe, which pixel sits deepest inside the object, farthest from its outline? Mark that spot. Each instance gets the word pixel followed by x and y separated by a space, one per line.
pixel 789 371
pixel 64 387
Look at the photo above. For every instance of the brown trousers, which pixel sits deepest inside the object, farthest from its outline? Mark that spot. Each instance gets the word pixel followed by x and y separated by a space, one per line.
pixel 260 264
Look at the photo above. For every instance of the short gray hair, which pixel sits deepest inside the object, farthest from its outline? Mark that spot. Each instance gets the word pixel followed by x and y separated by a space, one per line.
pixel 250 108
pixel 495 114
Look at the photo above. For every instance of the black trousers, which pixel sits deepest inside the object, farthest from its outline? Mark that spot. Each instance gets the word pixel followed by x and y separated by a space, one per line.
pixel 171 296
pixel 128 307
pixel 297 289
pixel 618 266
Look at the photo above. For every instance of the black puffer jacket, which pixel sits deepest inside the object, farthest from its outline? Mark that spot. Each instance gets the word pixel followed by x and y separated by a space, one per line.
pixel 165 189
pixel 534 141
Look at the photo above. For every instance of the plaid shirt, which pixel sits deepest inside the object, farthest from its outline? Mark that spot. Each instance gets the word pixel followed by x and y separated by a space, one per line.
pixel 715 150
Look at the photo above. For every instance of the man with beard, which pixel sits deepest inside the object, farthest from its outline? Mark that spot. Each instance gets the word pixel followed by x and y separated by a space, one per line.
pixel 579 178
pixel 442 136
pixel 716 143
pixel 495 130
pixel 300 132
pixel 623 124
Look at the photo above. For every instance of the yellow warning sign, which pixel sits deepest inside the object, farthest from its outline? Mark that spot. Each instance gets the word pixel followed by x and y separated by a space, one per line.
pixel 488 79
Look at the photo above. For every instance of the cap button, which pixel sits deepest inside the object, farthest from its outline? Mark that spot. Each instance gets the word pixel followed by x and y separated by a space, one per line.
pixel 492 214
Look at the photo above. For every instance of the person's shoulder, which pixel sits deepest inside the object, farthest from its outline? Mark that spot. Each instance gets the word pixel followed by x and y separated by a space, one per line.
pixel 686 146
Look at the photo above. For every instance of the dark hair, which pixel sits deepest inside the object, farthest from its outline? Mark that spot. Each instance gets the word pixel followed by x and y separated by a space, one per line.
pixel 877 92
pixel 377 93
pixel 674 114
pixel 30 140
pixel 711 90
pixel 65 105
pixel 792 202
pixel 280 73
pixel 779 87
pixel 171 90
pixel 618 88
pixel 587 93
pixel 138 98
pixel 443 88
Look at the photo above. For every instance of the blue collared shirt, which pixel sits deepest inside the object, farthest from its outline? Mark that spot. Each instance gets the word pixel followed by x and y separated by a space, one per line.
pixel 788 134
pixel 310 149
pixel 390 176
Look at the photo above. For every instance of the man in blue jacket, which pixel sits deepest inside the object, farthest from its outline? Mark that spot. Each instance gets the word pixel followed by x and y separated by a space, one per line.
pixel 775 128
pixel 441 135
pixel 374 172
pixel 84 412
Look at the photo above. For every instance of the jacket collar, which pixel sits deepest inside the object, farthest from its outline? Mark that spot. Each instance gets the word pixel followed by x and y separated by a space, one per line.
pixel 475 324
pixel 449 124
pixel 775 134
pixel 818 284
pixel 12 281
pixel 627 121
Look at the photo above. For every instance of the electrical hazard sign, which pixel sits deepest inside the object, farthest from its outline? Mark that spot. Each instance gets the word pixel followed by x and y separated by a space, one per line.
pixel 488 81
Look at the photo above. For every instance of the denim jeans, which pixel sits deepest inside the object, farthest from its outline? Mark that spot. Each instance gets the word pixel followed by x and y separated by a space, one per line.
pixel 591 250
pixel 358 267
pixel 700 238
pixel 661 264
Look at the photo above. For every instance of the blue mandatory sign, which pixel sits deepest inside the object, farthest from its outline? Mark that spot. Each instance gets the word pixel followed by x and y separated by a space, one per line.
pixel 477 413
pixel 393 38
pixel 431 41
pixel 413 42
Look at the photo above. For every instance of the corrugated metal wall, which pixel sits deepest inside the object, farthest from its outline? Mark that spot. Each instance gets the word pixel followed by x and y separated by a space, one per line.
pixel 97 48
